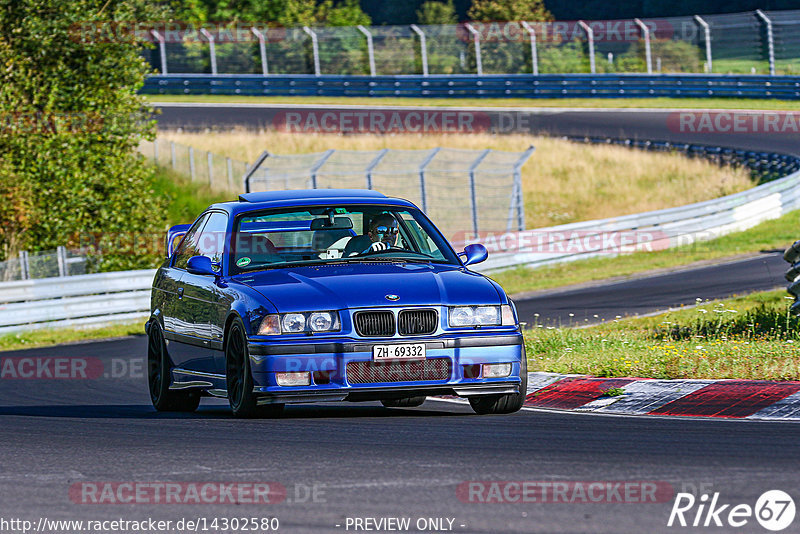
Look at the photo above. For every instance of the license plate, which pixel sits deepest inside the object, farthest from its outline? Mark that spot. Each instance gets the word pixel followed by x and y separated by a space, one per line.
pixel 398 352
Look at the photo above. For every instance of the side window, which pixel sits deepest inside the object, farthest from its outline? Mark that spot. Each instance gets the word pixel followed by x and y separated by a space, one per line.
pixel 188 247
pixel 211 242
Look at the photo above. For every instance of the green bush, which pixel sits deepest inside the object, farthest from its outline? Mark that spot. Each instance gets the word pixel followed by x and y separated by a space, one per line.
pixel 72 119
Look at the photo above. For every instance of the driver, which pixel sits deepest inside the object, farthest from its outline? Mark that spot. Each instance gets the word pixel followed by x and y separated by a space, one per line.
pixel 381 235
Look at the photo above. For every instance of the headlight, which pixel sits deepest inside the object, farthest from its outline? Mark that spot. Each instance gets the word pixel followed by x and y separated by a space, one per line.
pixel 474 316
pixel 296 323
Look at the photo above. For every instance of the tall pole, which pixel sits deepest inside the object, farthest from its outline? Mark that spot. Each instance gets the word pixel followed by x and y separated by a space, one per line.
pixel 211 49
pixel 770 41
pixel 370 49
pixel 590 36
pixel 707 33
pixel 314 48
pixel 423 48
pixel 262 48
pixel 476 37
pixel 162 49
pixel 534 54
pixel 646 34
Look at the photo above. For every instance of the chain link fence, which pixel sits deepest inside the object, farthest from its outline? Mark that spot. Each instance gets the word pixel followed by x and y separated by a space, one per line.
pixel 219 172
pixel 759 42
pixel 463 191
pixel 45 264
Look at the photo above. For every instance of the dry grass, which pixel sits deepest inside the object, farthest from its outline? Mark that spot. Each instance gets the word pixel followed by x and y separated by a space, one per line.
pixel 563 182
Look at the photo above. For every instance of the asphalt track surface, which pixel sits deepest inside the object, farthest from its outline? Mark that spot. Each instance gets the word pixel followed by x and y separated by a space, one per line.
pixel 365 460
pixel 369 461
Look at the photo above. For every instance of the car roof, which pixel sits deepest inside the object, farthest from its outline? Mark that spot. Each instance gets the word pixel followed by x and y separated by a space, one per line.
pixel 308 197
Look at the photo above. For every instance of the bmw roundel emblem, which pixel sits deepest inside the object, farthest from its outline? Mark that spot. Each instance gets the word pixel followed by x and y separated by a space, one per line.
pixel 392 297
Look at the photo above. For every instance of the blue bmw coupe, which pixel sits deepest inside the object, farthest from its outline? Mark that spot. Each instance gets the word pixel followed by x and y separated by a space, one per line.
pixel 327 295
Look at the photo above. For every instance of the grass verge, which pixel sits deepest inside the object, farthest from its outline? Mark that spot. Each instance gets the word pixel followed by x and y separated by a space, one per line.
pixel 185 199
pixel 775 234
pixel 751 337
pixel 47 337
pixel 655 103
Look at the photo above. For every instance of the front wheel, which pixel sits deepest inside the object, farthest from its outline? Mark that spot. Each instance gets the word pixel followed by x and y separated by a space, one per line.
pixel 239 378
pixel 502 404
pixel 159 368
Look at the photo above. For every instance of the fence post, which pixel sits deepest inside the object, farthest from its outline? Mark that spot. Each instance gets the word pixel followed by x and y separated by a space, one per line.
pixel 61 256
pixel 370 49
pixel 172 153
pixel 534 54
pixel 262 48
pixel 520 204
pixel 155 151
pixel 320 162
pixel 210 163
pixel 162 49
pixel 707 38
pixel 229 164
pixel 472 192
pixel 252 169
pixel 646 33
pixel 373 164
pixel 476 37
pixel 191 162
pixel 590 36
pixel 24 266
pixel 314 48
pixel 770 41
pixel 211 50
pixel 423 165
pixel 423 48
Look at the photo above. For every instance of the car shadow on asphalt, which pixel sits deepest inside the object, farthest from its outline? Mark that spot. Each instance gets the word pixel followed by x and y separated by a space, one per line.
pixel 140 411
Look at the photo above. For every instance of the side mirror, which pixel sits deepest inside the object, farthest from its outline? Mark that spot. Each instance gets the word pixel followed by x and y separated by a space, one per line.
pixel 475 253
pixel 200 265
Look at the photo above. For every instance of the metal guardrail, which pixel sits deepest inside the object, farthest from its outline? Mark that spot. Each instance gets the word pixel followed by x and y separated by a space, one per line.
pixel 652 230
pixel 88 299
pixel 763 166
pixel 487 86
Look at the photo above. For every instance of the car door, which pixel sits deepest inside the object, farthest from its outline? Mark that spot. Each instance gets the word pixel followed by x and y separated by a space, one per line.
pixel 178 329
pixel 203 305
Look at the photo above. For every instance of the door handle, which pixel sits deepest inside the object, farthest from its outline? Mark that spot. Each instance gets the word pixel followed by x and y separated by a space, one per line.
pixel 180 293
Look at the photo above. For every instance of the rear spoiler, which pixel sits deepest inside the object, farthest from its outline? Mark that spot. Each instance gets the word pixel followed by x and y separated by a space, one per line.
pixel 179 230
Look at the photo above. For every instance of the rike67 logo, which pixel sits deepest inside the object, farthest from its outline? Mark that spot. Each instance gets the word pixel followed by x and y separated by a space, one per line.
pixel 774 510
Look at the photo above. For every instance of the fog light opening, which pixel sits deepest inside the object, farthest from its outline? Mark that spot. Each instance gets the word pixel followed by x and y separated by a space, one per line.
pixel 293 379
pixel 496 370
pixel 472 371
pixel 322 377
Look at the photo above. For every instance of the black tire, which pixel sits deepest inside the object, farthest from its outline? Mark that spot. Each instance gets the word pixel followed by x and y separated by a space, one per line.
pixel 406 402
pixel 239 378
pixel 159 367
pixel 503 404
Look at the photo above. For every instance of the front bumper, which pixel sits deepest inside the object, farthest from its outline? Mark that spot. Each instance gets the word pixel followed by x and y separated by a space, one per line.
pixel 327 362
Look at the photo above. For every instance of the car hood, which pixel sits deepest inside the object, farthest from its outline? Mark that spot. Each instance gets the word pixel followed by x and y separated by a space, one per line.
pixel 364 285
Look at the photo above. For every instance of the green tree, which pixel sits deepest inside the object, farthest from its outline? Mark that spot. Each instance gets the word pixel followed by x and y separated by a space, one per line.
pixel 72 121
pixel 434 12
pixel 489 10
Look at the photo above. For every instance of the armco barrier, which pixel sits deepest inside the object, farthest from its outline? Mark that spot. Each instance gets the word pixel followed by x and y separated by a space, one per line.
pixel 76 300
pixel 487 86
pixel 660 229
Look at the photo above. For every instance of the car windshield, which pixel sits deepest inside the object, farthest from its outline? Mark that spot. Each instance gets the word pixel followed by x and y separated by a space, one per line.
pixel 335 234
